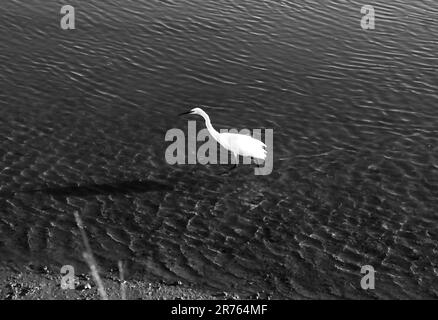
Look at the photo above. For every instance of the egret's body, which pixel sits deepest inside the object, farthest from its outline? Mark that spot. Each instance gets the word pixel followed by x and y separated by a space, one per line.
pixel 243 145
pixel 238 144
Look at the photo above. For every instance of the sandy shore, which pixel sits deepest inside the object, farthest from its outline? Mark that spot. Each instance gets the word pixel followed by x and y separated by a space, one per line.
pixel 45 284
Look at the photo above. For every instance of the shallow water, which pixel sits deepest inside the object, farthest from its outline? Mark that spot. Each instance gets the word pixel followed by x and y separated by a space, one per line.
pixel 83 115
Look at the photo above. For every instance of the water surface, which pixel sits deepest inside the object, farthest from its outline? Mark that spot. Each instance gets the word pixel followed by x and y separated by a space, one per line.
pixel 83 115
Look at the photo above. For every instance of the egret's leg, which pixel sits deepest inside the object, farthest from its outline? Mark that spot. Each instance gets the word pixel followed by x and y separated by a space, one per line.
pixel 257 163
pixel 236 157
pixel 228 171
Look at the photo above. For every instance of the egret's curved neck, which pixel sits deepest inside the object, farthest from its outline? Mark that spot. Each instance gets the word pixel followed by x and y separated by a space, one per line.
pixel 210 128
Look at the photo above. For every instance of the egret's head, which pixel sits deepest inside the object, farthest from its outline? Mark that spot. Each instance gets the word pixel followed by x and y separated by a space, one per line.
pixel 193 111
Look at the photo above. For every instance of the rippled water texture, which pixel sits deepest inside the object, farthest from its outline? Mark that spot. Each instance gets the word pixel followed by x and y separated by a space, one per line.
pixel 83 116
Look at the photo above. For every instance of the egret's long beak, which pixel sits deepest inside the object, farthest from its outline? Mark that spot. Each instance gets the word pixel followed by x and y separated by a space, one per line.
pixel 188 112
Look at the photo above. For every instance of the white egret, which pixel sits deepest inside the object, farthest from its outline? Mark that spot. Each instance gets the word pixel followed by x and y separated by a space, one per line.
pixel 238 144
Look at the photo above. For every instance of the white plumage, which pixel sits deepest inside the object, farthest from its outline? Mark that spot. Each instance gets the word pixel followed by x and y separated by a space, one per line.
pixel 238 144
pixel 243 145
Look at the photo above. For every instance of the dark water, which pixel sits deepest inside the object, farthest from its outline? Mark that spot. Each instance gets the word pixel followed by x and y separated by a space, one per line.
pixel 83 116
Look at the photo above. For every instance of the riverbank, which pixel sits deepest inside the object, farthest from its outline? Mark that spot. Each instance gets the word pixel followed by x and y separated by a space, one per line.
pixel 44 284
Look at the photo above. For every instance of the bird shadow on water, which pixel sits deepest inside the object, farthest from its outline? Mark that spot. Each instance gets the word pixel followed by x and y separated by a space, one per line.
pixel 94 189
